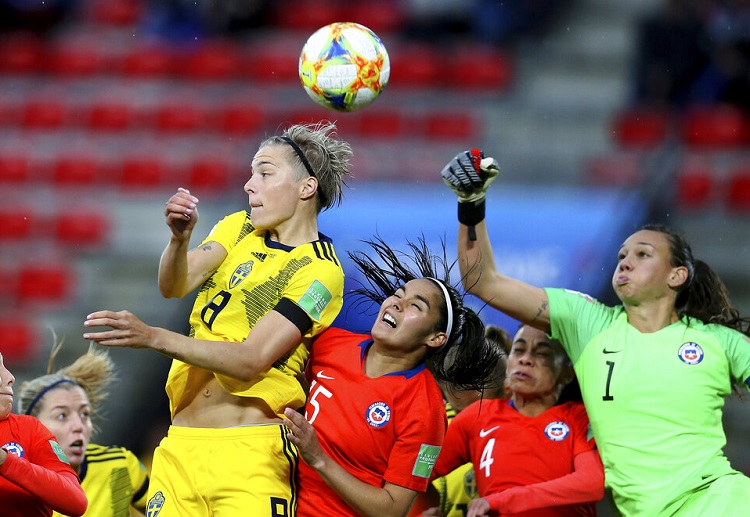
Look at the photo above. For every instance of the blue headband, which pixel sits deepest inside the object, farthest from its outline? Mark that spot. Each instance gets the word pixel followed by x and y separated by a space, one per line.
pixel 44 392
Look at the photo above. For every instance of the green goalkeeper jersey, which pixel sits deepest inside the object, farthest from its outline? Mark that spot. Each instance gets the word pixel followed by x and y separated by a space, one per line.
pixel 654 400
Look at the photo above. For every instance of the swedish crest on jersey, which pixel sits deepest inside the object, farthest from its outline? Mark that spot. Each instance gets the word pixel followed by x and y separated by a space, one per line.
pixel 155 504
pixel 240 273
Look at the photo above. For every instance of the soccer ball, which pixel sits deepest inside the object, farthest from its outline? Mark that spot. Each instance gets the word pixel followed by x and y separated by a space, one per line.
pixel 344 66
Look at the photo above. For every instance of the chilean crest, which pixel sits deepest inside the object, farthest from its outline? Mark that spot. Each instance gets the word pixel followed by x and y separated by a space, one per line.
pixel 690 353
pixel 14 448
pixel 378 414
pixel 240 274
pixel 557 431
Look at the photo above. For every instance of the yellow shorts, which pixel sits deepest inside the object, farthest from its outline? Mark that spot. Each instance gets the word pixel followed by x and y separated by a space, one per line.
pixel 236 471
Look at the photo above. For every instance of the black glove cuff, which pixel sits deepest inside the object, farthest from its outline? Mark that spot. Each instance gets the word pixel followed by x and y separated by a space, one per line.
pixel 471 214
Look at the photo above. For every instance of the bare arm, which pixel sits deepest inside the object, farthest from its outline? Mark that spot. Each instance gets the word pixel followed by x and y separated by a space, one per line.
pixel 515 298
pixel 271 338
pixel 365 499
pixel 181 270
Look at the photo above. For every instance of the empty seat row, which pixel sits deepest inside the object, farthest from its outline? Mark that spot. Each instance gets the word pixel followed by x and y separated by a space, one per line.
pixel 132 173
pixel 469 66
pixel 699 127
pixel 232 118
pixel 699 188
pixel 36 282
pixel 79 229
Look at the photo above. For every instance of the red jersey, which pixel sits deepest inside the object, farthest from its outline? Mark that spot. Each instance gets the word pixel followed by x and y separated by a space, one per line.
pixel 36 478
pixel 509 449
pixel 384 429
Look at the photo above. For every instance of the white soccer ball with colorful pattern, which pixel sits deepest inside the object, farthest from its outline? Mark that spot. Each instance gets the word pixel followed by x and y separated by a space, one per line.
pixel 344 66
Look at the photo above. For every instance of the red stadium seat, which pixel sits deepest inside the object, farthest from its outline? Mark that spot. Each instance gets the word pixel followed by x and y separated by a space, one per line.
pixel 382 17
pixel 14 167
pixel 44 282
pixel 181 117
pixel 21 54
pixel 713 127
pixel 74 59
pixel 382 124
pixel 208 174
pixel 151 60
pixel 20 340
pixel 279 64
pixel 414 66
pixel 241 118
pixel 117 12
pixel 450 125
pixel 695 188
pixel 308 15
pixel 738 190
pixel 74 169
pixel 16 223
pixel 44 113
pixel 141 173
pixel 640 128
pixel 80 229
pixel 110 116
pixel 212 61
pixel 480 67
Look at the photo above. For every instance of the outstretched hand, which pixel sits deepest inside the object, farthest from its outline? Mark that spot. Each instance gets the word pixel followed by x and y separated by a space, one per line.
pixel 469 174
pixel 182 213
pixel 126 329
pixel 302 434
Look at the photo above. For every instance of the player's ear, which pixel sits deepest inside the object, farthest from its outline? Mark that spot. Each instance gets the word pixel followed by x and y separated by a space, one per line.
pixel 678 276
pixel 437 340
pixel 309 187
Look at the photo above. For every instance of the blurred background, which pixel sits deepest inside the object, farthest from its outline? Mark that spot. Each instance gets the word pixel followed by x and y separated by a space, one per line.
pixel 603 115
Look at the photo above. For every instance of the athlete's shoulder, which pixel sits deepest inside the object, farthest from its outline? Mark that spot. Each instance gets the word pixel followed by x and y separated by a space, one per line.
pixel 99 453
pixel 338 336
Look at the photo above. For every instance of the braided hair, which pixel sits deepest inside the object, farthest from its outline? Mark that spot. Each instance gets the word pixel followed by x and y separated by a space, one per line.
pixel 466 360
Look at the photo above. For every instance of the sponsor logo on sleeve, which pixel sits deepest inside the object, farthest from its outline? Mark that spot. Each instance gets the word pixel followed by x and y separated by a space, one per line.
pixel 557 431
pixel 59 451
pixel 690 353
pixel 315 300
pixel 425 460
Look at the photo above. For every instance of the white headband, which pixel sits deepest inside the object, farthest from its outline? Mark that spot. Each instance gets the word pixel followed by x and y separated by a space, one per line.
pixel 449 326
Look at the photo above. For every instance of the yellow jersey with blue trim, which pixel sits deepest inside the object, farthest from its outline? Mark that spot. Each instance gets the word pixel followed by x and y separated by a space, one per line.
pixel 256 275
pixel 113 479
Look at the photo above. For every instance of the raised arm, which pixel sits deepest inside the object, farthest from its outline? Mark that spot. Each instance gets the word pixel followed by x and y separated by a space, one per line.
pixel 469 175
pixel 181 270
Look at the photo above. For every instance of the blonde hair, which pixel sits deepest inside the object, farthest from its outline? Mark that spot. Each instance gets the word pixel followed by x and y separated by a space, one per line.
pixel 94 371
pixel 328 157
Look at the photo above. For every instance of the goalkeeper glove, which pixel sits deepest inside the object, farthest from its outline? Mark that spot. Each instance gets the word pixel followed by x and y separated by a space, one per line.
pixel 469 175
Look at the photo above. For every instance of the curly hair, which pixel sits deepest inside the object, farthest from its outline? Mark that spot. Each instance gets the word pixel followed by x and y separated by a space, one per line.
pixel 93 372
pixel 467 360
pixel 326 155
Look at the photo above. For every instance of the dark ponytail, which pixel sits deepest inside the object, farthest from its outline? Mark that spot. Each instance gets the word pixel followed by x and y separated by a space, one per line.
pixel 703 295
pixel 467 360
